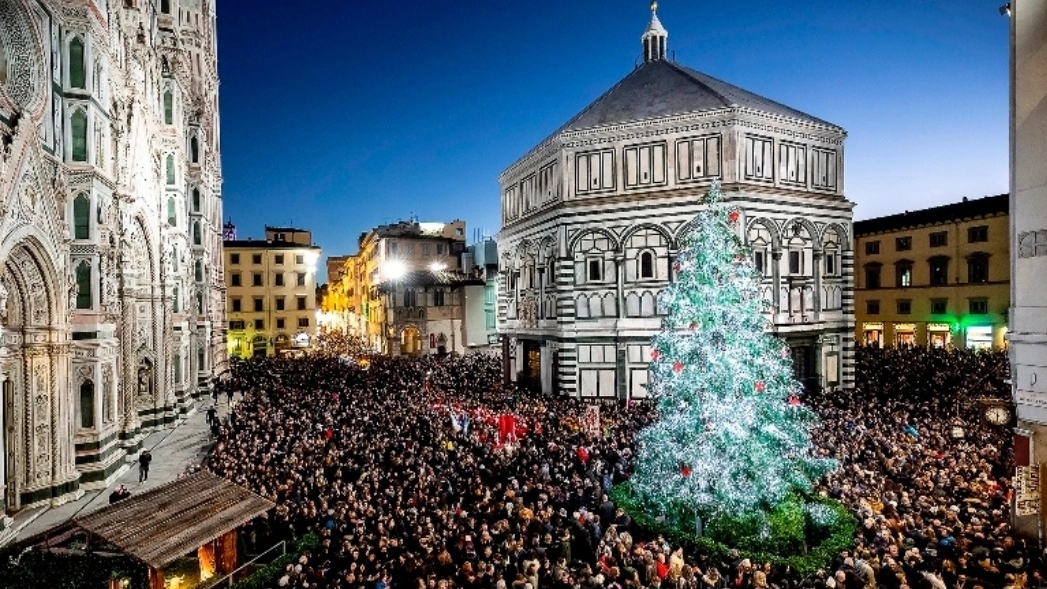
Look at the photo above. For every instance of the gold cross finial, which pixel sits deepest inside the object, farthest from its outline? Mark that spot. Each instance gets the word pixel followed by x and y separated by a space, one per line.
pixel 654 6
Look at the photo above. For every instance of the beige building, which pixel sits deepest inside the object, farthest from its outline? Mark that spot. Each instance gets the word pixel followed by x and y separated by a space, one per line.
pixel 1028 230
pixel 271 289
pixel 934 277
pixel 408 265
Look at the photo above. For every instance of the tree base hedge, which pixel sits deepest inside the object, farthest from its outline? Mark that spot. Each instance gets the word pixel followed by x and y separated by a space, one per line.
pixel 804 534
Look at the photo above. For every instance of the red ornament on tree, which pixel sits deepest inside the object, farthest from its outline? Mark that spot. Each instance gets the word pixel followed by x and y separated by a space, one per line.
pixel 733 217
pixel 685 471
pixel 760 386
pixel 678 367
pixel 794 400
pixel 676 266
pixel 654 354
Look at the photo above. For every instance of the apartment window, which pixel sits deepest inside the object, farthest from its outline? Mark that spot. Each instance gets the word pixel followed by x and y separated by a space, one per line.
pixel 392 247
pixel 256 279
pixel 830 263
pixel 978 306
pixel 939 306
pixel 235 279
pixel 236 325
pixel 303 322
pixel 978 268
pixel 439 249
pixel 939 267
pixel 279 323
pixel 300 279
pixel 903 274
pixel 939 239
pixel 301 303
pixel 196 206
pixel 978 234
pixel 236 305
pixel 256 259
pixel 280 303
pixel 438 298
pixel 872 307
pixel 795 262
pixel 77 66
pixel 425 249
pixel 759 262
pixel 904 307
pixel 872 248
pixel 259 323
pixel 278 259
pixel 299 260
pixel 259 305
pixel 872 276
pixel 903 244
pixel 647 265
pixel 595 271
pixel 83 285
pixel 278 279
pixel 234 258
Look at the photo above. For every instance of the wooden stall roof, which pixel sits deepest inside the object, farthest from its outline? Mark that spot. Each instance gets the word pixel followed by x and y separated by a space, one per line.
pixel 163 525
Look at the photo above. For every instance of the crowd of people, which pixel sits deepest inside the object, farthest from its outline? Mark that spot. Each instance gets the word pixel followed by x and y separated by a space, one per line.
pixel 406 470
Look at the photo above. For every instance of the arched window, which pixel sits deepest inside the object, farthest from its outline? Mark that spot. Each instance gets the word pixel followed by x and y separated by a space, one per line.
pixel 87 404
pixel 174 260
pixel 77 67
pixel 168 108
pixel 170 170
pixel 197 240
pixel 194 150
pixel 177 361
pixel 172 212
pixel 199 303
pixel 176 306
pixel 410 298
pixel 196 200
pixel 78 132
pixel 647 265
pixel 165 6
pixel 81 217
pixel 199 271
pixel 83 285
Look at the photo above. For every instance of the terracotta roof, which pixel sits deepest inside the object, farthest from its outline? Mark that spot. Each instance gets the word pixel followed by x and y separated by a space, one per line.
pixel 958 211
pixel 160 526
pixel 431 278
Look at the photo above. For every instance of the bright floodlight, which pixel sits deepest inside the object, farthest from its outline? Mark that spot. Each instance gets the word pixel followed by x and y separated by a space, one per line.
pixel 393 269
pixel 437 266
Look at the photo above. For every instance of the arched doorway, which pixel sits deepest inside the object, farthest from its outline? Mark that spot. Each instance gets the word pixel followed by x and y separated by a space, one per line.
pixel 410 341
pixel 39 405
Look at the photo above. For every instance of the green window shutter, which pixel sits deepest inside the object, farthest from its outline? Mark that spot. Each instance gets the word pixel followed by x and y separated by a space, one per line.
pixel 82 217
pixel 78 126
pixel 77 69
pixel 83 286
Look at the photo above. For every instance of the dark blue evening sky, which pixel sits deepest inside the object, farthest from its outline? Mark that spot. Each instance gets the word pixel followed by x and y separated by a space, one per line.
pixel 341 115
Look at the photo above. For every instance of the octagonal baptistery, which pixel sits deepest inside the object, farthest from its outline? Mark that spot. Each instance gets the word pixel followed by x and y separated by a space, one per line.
pixel 593 216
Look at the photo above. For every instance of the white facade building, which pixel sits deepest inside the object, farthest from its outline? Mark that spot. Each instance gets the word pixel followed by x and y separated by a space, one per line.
pixel 1028 314
pixel 592 218
pixel 111 294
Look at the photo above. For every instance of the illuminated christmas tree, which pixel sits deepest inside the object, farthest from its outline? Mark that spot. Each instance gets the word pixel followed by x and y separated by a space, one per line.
pixel 732 438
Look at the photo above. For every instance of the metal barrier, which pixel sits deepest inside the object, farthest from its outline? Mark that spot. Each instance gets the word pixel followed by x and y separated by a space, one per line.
pixel 231 577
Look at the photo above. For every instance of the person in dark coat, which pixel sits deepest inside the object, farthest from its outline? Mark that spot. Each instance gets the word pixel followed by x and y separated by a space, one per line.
pixel 144 460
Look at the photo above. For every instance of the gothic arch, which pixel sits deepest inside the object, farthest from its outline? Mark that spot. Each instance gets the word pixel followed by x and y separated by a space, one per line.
pixel 844 243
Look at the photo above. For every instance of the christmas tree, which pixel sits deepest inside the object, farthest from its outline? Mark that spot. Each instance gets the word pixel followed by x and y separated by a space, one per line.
pixel 732 438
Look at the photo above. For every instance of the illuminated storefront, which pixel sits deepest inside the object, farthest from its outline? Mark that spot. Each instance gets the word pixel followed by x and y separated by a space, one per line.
pixel 938 335
pixel 873 334
pixel 904 334
pixel 979 337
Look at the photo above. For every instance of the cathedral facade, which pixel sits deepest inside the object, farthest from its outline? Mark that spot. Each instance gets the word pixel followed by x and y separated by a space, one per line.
pixel 112 299
pixel 593 216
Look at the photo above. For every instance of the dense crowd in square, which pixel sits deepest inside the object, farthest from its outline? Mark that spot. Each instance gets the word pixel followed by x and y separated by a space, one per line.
pixel 403 468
